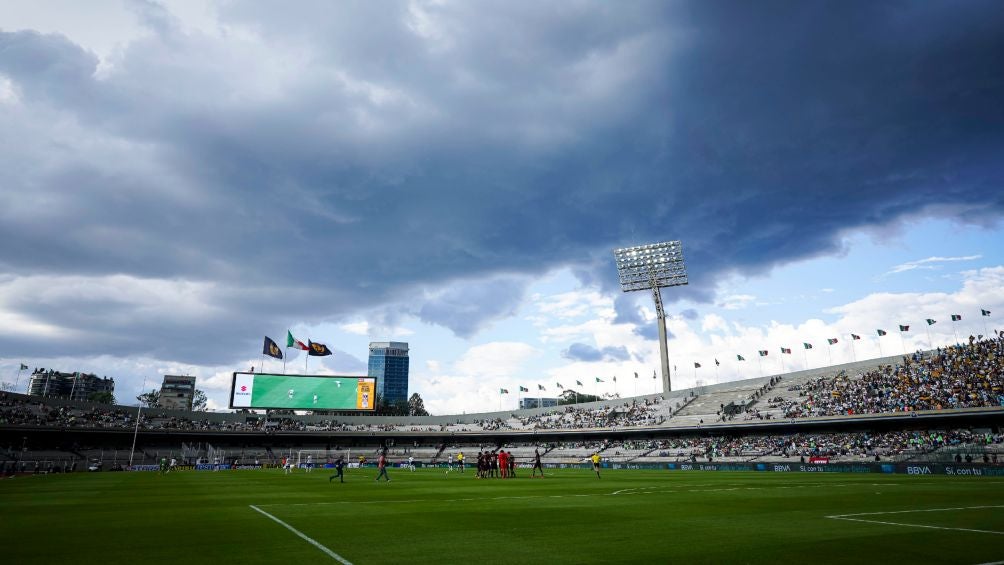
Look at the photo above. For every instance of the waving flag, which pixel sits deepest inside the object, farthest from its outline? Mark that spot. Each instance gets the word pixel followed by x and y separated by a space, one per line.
pixel 271 348
pixel 904 328
pixel 956 317
pixel 807 345
pixel 763 352
pixel 522 389
pixel 697 365
pixel 785 350
pixel 317 349
pixel 579 383
pixel 880 332
pixel 931 322
pixel 293 342
pixel 540 387
pixel 717 364
pixel 559 386
pixel 23 367
pixel 503 391
pixel 984 312
pixel 831 340
pixel 855 336
pixel 740 358
pixel 599 380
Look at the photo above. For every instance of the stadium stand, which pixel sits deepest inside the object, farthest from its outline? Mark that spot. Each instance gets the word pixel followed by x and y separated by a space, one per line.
pixel 852 412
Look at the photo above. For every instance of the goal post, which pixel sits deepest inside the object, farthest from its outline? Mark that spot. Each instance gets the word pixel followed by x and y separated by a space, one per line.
pixel 320 456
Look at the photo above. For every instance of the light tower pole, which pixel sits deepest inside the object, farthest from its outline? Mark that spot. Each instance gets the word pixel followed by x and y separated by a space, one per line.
pixel 652 267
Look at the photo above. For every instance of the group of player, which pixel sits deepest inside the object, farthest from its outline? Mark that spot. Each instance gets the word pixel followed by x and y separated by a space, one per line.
pixel 501 464
pixel 166 467
pixel 496 464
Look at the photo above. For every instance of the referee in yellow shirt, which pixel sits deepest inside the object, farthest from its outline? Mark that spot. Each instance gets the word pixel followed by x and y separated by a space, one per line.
pixel 596 464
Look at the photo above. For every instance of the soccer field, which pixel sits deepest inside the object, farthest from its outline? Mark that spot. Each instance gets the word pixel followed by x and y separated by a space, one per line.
pixel 263 516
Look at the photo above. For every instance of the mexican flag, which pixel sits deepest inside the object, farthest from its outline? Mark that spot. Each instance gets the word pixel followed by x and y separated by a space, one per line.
pixel 293 342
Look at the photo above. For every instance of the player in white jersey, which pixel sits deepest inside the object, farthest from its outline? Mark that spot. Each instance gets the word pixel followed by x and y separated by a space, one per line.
pixel 310 463
pixel 411 463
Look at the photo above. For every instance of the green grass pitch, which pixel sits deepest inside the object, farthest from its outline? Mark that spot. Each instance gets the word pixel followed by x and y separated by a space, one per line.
pixel 570 517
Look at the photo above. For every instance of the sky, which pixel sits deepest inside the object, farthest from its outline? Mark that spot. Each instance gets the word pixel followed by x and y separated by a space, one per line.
pixel 180 179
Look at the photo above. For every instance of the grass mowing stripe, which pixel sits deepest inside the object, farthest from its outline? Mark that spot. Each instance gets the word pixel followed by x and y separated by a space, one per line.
pixel 309 540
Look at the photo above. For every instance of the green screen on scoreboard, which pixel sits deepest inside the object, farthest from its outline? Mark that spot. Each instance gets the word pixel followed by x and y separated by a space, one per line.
pixel 302 392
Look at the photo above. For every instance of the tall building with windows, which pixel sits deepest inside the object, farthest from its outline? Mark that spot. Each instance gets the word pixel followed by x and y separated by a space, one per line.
pixel 75 386
pixel 389 364
pixel 177 392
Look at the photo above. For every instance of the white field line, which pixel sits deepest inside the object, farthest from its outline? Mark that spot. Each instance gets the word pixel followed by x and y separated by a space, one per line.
pixel 309 540
pixel 848 518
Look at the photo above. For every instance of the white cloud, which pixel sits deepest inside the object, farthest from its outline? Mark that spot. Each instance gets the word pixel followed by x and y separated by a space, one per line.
pixel 931 263
pixel 714 322
pixel 495 359
pixel 358 328
pixel 736 301
pixel 572 304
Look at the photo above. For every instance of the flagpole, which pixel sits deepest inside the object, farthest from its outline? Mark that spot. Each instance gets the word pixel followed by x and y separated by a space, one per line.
pixel 18 380
pixel 986 333
pixel 284 357
pixel 305 358
pixel 880 346
pixel 902 343
pixel 805 357
pixel 759 362
pixel 930 342
pixel 956 330
pixel 854 351
pixel 74 387
pixel 135 431
pixel 829 353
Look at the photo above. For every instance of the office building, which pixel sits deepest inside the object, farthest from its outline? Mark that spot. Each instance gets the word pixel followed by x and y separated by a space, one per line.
pixel 389 364
pixel 73 386
pixel 177 392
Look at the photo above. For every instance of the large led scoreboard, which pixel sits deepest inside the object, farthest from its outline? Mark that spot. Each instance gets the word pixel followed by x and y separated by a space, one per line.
pixel 302 392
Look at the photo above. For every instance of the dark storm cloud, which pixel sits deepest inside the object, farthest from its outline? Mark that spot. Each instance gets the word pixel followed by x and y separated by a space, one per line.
pixel 342 157
pixel 464 308
pixel 589 354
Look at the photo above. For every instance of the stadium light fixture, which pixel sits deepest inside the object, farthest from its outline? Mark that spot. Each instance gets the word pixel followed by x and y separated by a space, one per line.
pixel 653 267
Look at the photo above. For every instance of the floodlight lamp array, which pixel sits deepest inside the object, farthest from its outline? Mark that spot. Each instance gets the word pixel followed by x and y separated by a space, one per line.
pixel 651 266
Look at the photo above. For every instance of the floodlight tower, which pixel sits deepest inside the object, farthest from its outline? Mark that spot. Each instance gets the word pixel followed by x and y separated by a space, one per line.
pixel 652 267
